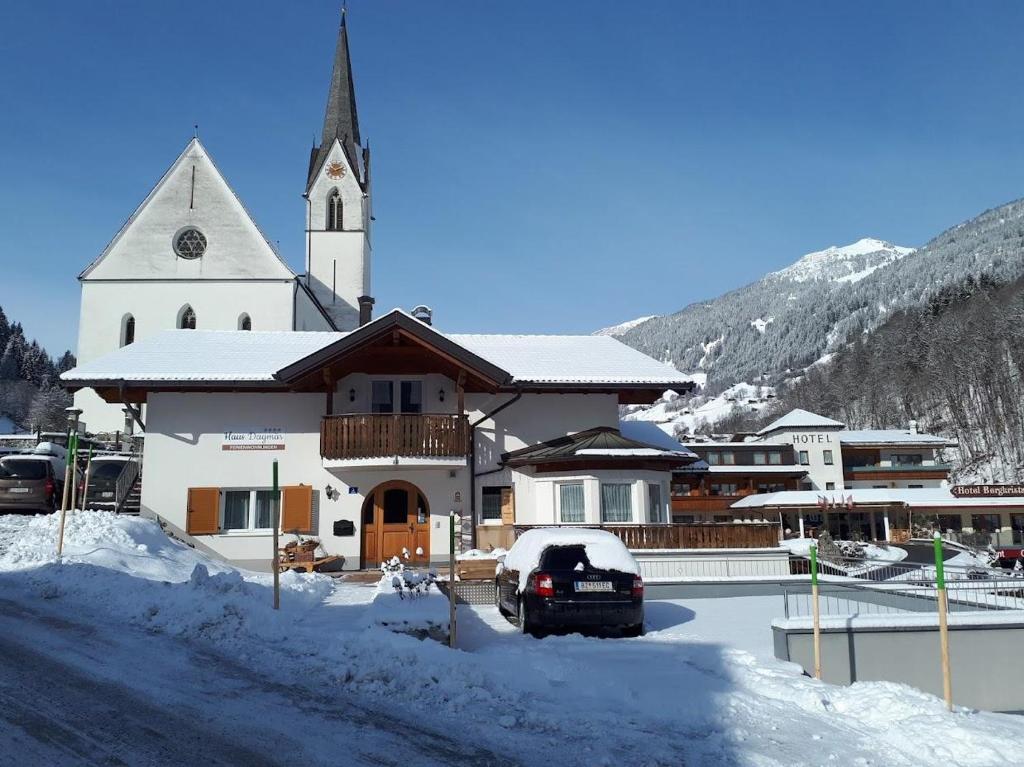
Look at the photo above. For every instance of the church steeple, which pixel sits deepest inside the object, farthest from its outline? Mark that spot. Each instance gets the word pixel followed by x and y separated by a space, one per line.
pixel 340 120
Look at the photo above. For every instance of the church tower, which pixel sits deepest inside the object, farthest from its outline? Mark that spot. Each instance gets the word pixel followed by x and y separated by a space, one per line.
pixel 338 211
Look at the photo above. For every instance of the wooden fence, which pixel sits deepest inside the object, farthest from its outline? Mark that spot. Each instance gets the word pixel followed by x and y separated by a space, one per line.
pixel 717 535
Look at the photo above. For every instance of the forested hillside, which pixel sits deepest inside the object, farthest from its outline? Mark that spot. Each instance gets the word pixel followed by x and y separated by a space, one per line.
pixel 29 393
pixel 789 319
pixel 955 365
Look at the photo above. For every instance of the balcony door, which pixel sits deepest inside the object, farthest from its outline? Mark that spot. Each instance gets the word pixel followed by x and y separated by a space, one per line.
pixel 396 523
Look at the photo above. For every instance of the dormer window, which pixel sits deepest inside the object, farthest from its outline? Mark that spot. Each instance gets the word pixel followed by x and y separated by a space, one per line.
pixel 335 211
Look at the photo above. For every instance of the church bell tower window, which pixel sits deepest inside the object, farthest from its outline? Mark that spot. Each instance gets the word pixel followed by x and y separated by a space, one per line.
pixel 127 330
pixel 335 221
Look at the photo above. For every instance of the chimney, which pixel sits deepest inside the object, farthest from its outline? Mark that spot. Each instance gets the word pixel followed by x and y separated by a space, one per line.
pixel 913 427
pixel 424 314
pixel 365 309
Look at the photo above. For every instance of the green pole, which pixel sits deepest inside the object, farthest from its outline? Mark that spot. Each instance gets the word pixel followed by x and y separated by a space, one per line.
pixel 940 573
pixel 814 565
pixel 275 519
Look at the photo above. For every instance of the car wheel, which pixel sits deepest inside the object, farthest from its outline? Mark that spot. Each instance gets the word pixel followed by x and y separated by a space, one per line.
pixel 523 619
pixel 497 599
pixel 633 631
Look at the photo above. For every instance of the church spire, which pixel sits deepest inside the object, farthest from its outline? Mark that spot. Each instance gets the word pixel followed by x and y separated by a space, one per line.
pixel 340 120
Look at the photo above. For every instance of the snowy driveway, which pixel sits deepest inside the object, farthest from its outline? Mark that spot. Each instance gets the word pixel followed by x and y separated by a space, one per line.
pixel 78 694
pixel 139 651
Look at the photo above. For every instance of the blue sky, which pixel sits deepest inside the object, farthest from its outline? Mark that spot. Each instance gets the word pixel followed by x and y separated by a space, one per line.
pixel 539 166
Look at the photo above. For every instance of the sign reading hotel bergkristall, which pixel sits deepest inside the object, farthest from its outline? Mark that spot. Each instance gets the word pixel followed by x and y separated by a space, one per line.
pixel 263 439
pixel 987 491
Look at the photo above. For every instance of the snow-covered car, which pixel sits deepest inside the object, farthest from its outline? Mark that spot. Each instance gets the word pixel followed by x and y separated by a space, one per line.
pixel 570 578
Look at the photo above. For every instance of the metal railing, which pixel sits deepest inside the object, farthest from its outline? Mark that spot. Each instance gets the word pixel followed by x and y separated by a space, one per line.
pixel 125 482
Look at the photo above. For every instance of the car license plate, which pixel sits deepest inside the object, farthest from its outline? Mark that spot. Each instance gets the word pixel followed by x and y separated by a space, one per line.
pixel 107 494
pixel 593 585
pixel 19 490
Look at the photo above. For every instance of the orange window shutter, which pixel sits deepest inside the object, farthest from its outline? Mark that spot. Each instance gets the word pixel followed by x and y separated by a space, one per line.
pixel 297 509
pixel 508 506
pixel 203 513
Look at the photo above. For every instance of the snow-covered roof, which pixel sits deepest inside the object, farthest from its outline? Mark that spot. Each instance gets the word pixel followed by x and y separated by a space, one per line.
pixel 651 434
pixel 204 355
pixel 255 356
pixel 801 419
pixel 890 437
pixel 925 497
pixel 569 359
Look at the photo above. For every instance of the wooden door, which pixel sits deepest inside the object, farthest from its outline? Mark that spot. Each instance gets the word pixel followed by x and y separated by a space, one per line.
pixel 396 523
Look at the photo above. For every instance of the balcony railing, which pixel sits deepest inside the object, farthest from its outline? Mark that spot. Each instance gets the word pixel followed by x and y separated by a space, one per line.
pixel 384 436
pixel 711 535
pixel 868 468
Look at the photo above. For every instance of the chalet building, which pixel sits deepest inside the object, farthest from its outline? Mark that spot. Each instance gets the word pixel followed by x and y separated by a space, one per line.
pixel 382 432
pixel 811 473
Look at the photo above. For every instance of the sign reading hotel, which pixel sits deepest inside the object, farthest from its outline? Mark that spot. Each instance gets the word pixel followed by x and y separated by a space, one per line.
pixel 987 491
pixel 263 439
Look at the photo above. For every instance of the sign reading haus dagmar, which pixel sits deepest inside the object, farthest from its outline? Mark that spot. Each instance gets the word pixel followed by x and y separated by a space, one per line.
pixel 261 439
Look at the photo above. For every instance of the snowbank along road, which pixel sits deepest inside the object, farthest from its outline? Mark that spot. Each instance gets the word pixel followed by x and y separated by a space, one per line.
pixel 139 651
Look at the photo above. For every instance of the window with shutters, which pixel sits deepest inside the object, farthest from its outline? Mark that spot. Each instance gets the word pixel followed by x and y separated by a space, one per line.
pixel 247 510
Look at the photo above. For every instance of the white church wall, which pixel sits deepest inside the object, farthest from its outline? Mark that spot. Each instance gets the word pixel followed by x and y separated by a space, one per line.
pixel 156 307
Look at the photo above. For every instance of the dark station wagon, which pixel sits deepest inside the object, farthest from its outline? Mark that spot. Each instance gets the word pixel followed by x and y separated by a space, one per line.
pixel 563 589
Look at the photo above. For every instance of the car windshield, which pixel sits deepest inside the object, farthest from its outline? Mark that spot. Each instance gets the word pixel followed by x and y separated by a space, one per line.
pixel 564 558
pixel 14 468
pixel 106 469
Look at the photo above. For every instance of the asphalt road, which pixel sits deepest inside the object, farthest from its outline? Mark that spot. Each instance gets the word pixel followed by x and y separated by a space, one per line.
pixel 72 694
pixel 924 553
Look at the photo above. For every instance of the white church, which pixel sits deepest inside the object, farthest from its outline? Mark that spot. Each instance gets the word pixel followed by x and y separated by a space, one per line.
pixel 192 257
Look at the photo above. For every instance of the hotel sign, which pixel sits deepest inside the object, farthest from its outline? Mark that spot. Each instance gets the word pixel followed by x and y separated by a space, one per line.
pixel 987 491
pixel 260 439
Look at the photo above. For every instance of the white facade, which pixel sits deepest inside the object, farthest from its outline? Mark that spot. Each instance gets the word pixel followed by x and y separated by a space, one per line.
pixel 819 451
pixel 185 439
pixel 141 279
pixel 338 253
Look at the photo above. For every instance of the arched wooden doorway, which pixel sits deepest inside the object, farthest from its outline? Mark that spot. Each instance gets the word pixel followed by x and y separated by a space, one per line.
pixel 396 519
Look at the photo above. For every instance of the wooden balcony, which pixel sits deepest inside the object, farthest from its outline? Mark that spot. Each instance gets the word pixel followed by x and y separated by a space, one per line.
pixel 362 436
pixel 752 535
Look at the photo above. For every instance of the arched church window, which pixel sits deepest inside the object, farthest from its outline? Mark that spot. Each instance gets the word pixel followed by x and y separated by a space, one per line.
pixel 127 330
pixel 335 211
pixel 187 318
pixel 190 243
pixel 245 322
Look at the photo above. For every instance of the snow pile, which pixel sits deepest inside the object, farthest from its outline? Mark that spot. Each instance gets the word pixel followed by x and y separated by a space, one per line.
pixel 873 554
pixel 481 554
pixel 604 550
pixel 142 577
pixel 409 602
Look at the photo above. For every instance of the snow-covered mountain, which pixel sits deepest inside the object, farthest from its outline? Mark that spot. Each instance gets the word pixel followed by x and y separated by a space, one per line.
pixel 617 330
pixel 789 319
pixel 848 263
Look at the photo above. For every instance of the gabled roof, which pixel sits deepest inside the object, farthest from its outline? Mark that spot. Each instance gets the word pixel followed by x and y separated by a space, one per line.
pixel 584 363
pixel 801 419
pixel 603 442
pixel 237 247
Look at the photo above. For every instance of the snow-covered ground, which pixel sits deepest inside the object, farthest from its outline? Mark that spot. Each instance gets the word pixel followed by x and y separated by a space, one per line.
pixel 678 415
pixel 138 650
